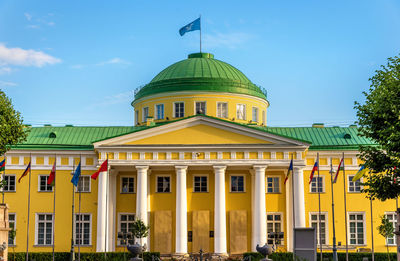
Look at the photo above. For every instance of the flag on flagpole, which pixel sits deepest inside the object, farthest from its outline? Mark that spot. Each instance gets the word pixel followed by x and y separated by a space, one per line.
pixel 312 171
pixel 77 174
pixel 288 172
pixel 360 173
pixel 102 168
pixel 340 167
pixel 28 168
pixel 195 25
pixel 3 164
pixel 50 180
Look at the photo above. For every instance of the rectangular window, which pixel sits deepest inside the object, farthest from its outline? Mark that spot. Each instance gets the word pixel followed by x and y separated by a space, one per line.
pixel 200 184
pixel 125 226
pixel 274 224
pixel 10 183
pixel 83 229
pixel 179 109
pixel 241 111
pixel 44 229
pixel 145 114
pixel 83 184
pixel 314 222
pixel 12 223
pixel 127 185
pixel 43 187
pixel 317 182
pixel 159 111
pixel 273 184
pixel 391 241
pixel 356 229
pixel 137 117
pixel 222 110
pixel 163 184
pixel 200 107
pixel 254 114
pixel 237 183
pixel 354 186
pixel 263 117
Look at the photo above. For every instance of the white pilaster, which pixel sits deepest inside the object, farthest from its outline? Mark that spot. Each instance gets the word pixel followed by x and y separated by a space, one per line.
pixel 101 212
pixel 300 213
pixel 141 196
pixel 112 204
pixel 181 211
pixel 219 211
pixel 259 216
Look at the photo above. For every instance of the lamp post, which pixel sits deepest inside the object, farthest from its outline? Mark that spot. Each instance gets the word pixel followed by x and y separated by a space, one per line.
pixel 125 238
pixel 334 249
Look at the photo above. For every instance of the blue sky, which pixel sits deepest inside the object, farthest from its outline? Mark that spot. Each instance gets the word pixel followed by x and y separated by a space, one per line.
pixel 77 62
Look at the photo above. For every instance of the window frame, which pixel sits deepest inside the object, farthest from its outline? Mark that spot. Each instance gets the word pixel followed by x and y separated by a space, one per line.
pixel 394 226
pixel 364 228
pixel 348 184
pixel 208 183
pixel 15 182
pixel 323 185
pixel 90 229
pixel 136 116
pixel 227 111
pixel 264 117
pixel 90 184
pixel 205 107
pixel 119 225
pixel 170 183
pixel 252 114
pixel 37 230
pixel 156 111
pixel 144 117
pixel 230 182
pixel 279 184
pixel 120 184
pixel 310 221
pixel 15 227
pixel 174 109
pixel 47 177
pixel 282 241
pixel 244 111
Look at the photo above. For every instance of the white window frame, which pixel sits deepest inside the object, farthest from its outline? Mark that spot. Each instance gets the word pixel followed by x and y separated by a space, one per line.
pixel 230 183
pixel 45 191
pixel 136 117
pixel 156 111
pixel 120 184
pixel 279 184
pixel 208 182
pixel 15 182
pixel 244 111
pixel 323 184
pixel 15 227
pixel 273 221
pixel 144 116
pixel 90 228
pixel 90 183
pixel 364 228
pixel 263 115
pixel 394 226
pixel 119 224
pixel 326 225
pixel 219 115
pixel 254 114
pixel 37 229
pixel 170 183
pixel 174 109
pixel 348 184
pixel 205 105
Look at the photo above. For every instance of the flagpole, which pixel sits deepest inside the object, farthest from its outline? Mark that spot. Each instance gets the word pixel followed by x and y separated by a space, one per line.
pixel 345 207
pixel 372 226
pixel 293 215
pixel 72 257
pixel 319 210
pixel 334 249
pixel 200 32
pixel 54 202
pixel 29 207
pixel 80 215
pixel 106 219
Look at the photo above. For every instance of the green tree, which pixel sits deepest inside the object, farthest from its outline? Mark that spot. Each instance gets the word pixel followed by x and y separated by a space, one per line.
pixel 12 131
pixel 379 121
pixel 11 234
pixel 386 230
pixel 140 229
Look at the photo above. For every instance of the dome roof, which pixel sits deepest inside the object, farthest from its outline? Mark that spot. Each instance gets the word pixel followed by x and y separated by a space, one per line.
pixel 200 72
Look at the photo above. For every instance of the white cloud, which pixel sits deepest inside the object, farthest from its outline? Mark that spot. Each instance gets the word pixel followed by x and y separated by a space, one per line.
pixel 7 84
pixel 21 57
pixel 115 60
pixel 51 23
pixel 28 16
pixel 5 70
pixel 229 40
pixel 123 97
pixel 33 26
pixel 78 66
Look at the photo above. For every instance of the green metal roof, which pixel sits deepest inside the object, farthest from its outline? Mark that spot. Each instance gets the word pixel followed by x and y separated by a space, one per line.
pixel 82 138
pixel 201 72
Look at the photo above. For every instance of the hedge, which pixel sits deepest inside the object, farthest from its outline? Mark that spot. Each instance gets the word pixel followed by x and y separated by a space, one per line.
pixel 65 256
pixel 255 256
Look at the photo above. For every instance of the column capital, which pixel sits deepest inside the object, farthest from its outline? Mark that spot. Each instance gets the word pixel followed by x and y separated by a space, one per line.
pixel 181 167
pixel 219 167
pixel 260 167
pixel 142 167
pixel 297 168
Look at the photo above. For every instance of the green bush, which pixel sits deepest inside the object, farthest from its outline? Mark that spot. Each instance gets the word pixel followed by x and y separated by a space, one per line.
pixel 65 256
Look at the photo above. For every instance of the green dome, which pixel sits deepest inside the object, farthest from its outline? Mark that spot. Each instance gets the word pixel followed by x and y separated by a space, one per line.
pixel 200 72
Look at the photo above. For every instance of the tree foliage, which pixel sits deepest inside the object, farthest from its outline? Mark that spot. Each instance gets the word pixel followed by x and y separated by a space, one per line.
pixel 379 120
pixel 140 229
pixel 386 230
pixel 12 131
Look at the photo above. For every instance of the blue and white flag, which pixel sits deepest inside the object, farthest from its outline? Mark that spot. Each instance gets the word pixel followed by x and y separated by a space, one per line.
pixel 193 26
pixel 77 174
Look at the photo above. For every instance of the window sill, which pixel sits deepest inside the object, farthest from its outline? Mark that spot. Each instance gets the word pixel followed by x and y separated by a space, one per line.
pixel 45 191
pixel 10 191
pixel 83 246
pixel 162 192
pixel 127 192
pixel 200 191
pixel 354 192
pixel 83 191
pixel 42 245
pixel 273 192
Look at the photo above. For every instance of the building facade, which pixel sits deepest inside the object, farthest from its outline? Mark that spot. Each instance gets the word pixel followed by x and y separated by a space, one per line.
pixel 199 166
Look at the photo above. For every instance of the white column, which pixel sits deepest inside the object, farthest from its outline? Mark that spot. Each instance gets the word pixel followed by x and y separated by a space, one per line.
pixel 112 204
pixel 141 196
pixel 219 211
pixel 289 217
pixel 300 213
pixel 101 212
pixel 181 211
pixel 259 216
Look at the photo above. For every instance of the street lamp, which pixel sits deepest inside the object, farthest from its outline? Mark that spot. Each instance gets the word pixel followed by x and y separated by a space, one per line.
pixel 125 239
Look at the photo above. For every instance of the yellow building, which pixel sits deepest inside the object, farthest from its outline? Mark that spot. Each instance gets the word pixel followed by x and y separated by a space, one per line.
pixel 200 166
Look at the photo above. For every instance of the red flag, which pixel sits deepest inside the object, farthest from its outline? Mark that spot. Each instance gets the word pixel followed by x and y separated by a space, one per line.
pixel 25 172
pixel 102 168
pixel 312 172
pixel 50 180
pixel 338 170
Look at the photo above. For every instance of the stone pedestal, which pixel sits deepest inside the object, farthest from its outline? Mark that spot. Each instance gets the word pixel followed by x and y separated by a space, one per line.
pixel 4 228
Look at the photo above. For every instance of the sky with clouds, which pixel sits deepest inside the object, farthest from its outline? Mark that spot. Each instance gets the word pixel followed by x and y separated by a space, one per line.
pixel 78 62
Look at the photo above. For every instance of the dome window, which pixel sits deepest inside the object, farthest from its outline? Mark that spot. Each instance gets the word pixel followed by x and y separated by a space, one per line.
pixel 347 136
pixel 53 135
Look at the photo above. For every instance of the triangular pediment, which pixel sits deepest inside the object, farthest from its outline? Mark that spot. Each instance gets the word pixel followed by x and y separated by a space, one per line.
pixel 199 130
